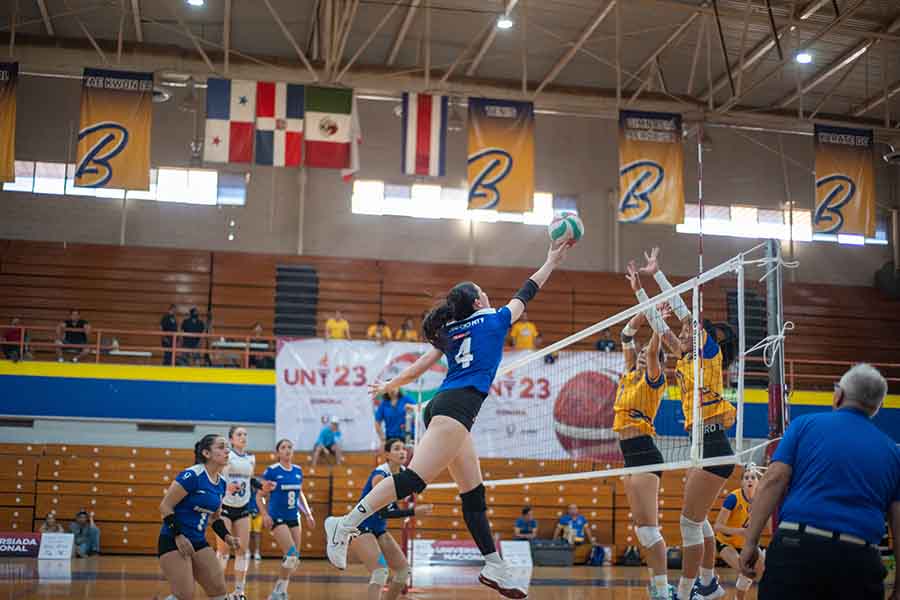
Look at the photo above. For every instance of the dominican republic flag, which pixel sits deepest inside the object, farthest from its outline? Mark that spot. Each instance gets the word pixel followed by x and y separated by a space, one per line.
pixel 424 143
pixel 230 116
pixel 279 124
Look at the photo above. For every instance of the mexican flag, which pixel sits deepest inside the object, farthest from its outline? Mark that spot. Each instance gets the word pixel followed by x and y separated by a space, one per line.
pixel 328 127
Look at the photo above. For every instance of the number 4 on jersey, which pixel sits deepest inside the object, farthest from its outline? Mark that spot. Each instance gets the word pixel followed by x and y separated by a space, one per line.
pixel 465 357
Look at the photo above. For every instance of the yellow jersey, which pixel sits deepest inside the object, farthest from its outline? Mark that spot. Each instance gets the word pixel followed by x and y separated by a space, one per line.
pixel 713 402
pixel 407 335
pixel 373 334
pixel 523 335
pixel 337 329
pixel 637 401
pixel 739 517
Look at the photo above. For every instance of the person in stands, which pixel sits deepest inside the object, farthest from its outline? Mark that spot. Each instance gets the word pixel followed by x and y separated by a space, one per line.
pixel 379 331
pixel 524 334
pixel 51 525
pixel 192 325
pixel 87 534
pixel 168 324
pixel 407 332
pixel 72 337
pixel 337 327
pixel 526 526
pixel 328 442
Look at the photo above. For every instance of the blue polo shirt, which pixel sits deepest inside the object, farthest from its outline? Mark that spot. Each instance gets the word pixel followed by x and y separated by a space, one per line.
pixel 327 437
pixel 526 525
pixel 845 473
pixel 577 524
pixel 393 417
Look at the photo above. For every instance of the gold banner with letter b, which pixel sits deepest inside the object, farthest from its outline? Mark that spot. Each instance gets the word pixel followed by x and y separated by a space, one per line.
pixel 845 181
pixel 651 168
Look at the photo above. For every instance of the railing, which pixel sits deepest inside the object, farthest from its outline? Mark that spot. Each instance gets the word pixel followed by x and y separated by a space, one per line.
pixel 246 351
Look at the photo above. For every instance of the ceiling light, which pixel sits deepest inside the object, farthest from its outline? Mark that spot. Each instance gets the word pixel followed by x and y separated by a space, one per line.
pixel 196 2
pixel 504 22
pixel 804 58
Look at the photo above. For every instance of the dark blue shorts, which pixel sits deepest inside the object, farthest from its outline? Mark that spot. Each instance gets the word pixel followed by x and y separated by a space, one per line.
pixel 374 525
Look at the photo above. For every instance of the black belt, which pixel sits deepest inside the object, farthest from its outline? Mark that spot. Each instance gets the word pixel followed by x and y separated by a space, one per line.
pixel 823 533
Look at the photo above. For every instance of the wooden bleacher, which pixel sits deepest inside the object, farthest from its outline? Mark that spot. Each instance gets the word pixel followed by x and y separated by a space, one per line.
pixel 131 287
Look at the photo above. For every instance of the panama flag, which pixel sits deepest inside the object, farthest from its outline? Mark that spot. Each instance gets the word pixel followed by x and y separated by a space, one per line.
pixel 424 144
pixel 230 112
pixel 279 124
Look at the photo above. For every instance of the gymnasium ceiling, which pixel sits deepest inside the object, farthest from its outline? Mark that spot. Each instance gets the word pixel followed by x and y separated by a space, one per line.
pixel 854 45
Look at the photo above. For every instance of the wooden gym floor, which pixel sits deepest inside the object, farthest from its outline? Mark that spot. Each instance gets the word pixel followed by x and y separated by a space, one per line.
pixel 108 577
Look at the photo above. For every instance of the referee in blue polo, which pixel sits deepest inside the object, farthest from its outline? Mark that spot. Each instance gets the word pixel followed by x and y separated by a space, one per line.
pixel 838 476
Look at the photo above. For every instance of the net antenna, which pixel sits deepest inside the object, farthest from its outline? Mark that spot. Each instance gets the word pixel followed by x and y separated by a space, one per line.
pixel 563 427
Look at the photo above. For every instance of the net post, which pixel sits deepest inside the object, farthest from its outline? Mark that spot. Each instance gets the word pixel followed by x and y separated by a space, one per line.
pixel 742 344
pixel 697 426
pixel 774 325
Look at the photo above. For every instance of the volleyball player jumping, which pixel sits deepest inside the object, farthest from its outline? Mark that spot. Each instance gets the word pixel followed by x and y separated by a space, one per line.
pixel 191 502
pixel 375 540
pixel 640 392
pixel 718 415
pixel 471 334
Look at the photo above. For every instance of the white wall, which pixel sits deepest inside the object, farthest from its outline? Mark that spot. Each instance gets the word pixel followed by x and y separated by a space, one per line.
pixel 575 156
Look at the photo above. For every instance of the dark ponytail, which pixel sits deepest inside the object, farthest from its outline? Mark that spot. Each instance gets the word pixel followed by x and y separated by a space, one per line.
pixel 205 443
pixel 459 304
pixel 724 335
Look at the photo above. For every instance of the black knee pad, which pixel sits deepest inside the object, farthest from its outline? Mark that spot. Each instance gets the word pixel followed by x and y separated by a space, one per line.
pixel 408 482
pixel 473 500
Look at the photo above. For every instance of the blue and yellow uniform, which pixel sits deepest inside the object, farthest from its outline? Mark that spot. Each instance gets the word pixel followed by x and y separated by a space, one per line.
pixel 713 402
pixel 284 500
pixel 739 517
pixel 192 513
pixel 637 401
pixel 473 349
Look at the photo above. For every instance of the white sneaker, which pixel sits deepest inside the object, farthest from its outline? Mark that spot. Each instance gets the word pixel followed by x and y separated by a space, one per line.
pixel 278 596
pixel 337 541
pixel 497 576
pixel 257 556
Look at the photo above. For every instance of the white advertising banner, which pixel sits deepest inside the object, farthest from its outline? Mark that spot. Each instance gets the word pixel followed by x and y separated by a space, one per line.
pixel 554 410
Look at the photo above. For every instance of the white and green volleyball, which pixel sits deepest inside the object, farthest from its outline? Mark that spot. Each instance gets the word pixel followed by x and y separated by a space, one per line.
pixel 566 227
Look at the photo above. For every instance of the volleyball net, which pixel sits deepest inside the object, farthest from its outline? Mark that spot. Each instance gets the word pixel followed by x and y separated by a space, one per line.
pixel 551 412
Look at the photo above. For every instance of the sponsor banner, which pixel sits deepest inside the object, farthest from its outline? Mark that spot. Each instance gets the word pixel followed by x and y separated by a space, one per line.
pixel 8 76
pixel 501 155
pixel 516 553
pixel 56 546
pixel 845 181
pixel 114 130
pixel 14 543
pixel 320 379
pixel 651 168
pixel 446 553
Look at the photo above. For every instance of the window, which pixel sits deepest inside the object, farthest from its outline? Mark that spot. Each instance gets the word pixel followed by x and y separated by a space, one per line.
pixel 423 201
pixel 205 187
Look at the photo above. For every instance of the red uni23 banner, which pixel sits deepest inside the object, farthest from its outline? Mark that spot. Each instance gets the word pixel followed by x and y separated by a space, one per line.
pixel 651 166
pixel 114 131
pixel 845 181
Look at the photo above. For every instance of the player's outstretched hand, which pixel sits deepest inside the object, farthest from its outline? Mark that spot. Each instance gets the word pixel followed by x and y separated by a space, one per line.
pixel 652 265
pixel 633 277
pixel 557 252
pixel 378 388
pixel 749 556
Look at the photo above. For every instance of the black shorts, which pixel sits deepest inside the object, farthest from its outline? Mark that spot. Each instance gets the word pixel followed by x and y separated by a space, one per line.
pixel 291 523
pixel 715 444
pixel 166 544
pixel 460 404
pixel 235 513
pixel 640 451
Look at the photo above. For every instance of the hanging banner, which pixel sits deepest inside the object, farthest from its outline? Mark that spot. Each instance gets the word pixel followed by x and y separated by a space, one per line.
pixel 845 181
pixel 8 77
pixel 501 155
pixel 114 131
pixel 651 168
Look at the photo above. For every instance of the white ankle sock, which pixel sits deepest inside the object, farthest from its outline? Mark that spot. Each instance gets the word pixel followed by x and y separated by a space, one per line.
pixel 684 588
pixel 493 559
pixel 661 583
pixel 281 585
pixel 706 575
pixel 360 513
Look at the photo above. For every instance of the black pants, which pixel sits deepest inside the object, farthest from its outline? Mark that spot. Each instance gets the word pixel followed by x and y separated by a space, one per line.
pixel 807 567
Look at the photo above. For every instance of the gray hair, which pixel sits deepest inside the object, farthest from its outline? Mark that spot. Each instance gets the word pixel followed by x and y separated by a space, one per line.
pixel 865 386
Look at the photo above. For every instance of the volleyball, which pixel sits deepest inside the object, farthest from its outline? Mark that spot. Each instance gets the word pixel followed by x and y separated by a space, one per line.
pixel 566 227
pixel 583 417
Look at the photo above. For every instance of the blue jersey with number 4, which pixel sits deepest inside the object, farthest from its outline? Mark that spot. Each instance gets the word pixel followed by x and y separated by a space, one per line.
pixel 203 499
pixel 475 349
pixel 285 498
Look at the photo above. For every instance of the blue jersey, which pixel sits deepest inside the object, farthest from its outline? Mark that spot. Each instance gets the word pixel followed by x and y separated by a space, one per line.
pixel 284 500
pixel 475 349
pixel 376 524
pixel 203 499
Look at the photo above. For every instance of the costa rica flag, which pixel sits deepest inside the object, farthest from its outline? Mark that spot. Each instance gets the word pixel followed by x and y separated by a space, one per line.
pixel 424 143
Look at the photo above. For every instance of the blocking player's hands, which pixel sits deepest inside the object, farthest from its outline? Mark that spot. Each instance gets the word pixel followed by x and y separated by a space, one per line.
pixel 184 545
pixel 633 276
pixel 652 265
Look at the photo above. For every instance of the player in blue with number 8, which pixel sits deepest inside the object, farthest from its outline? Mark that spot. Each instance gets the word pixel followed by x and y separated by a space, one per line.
pixel 280 512
pixel 193 501
pixel 466 330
